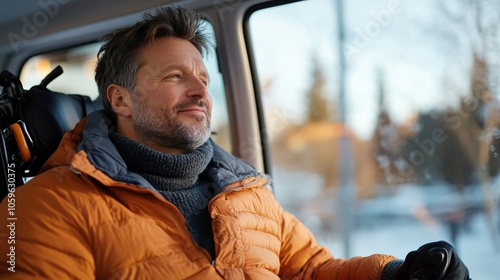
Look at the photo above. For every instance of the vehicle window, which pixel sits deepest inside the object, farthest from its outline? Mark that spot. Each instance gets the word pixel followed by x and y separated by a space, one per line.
pixel 78 64
pixel 387 137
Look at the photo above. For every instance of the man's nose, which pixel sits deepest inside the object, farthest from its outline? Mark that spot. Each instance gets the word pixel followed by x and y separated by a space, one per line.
pixel 197 88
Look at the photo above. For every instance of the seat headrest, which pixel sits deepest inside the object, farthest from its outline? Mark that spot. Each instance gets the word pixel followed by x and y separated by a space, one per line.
pixel 48 115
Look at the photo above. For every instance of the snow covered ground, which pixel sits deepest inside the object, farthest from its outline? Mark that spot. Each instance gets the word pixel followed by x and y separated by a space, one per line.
pixel 388 224
pixel 475 248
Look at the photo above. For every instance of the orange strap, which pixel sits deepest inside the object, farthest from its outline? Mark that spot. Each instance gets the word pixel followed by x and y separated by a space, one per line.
pixel 21 141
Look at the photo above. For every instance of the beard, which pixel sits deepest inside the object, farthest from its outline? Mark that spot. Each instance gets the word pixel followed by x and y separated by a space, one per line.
pixel 157 126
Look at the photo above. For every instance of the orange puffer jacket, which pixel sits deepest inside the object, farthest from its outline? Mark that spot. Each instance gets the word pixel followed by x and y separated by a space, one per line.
pixel 75 222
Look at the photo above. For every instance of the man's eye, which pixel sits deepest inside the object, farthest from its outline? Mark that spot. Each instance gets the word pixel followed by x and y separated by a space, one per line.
pixel 174 76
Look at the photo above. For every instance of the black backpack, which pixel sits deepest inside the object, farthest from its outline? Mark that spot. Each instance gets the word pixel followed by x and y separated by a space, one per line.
pixel 32 123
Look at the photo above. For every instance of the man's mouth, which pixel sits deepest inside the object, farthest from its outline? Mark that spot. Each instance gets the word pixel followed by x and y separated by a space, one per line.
pixel 193 109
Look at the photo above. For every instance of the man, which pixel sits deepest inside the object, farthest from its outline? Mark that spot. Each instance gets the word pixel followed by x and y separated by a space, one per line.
pixel 139 190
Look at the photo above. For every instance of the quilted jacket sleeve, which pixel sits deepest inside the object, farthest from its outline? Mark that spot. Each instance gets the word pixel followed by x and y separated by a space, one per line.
pixel 47 238
pixel 257 239
pixel 302 258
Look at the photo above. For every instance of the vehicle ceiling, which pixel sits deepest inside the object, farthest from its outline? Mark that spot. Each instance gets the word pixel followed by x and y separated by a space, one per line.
pixel 33 21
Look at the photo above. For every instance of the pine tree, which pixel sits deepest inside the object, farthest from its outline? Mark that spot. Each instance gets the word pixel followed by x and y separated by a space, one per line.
pixel 318 109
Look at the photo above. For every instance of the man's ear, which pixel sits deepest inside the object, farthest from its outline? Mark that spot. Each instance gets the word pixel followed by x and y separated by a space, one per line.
pixel 120 100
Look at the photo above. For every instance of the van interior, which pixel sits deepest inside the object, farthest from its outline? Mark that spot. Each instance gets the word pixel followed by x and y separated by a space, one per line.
pixel 378 121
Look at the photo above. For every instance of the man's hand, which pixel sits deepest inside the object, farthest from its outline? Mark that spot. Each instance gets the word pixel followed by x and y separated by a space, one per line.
pixel 436 260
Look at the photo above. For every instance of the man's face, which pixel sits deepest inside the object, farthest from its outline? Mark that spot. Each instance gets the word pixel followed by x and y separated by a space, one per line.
pixel 171 104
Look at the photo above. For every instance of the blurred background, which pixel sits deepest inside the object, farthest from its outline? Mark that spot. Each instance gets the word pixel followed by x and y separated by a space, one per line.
pixel 384 122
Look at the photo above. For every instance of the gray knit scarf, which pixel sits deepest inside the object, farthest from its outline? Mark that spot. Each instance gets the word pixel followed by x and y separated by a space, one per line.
pixel 178 178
